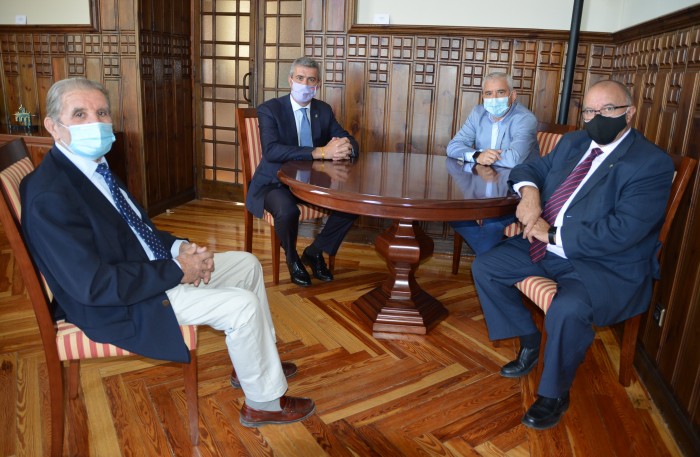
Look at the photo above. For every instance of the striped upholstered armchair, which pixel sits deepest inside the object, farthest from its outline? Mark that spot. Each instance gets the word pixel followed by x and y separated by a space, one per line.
pixel 63 341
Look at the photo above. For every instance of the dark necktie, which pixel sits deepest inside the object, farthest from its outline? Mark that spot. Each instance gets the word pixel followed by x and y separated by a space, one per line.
pixel 131 217
pixel 559 197
pixel 305 130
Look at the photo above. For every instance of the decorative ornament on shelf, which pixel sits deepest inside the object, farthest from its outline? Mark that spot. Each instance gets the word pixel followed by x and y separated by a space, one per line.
pixel 23 121
pixel 23 117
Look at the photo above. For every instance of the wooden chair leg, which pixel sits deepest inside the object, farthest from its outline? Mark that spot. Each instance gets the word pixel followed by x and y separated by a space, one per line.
pixel 248 228
pixel 189 371
pixel 331 263
pixel 275 248
pixel 456 253
pixel 628 347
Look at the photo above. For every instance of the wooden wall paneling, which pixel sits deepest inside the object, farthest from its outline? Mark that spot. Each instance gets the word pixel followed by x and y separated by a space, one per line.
pixel 668 114
pixel 313 17
pixel 445 109
pixel 375 115
pixel 545 100
pixel 423 98
pixel 355 101
pixel 335 15
pixel 398 102
pixel 127 14
pixel 131 118
pixel 108 13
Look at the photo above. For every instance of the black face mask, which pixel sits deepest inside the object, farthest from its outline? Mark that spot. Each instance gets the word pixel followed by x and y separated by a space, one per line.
pixel 603 130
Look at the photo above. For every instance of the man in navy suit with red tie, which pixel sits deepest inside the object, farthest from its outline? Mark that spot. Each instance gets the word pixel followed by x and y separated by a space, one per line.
pixel 299 127
pixel 591 210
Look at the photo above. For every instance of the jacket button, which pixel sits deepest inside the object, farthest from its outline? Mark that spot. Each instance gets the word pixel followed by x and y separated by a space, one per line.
pixel 165 303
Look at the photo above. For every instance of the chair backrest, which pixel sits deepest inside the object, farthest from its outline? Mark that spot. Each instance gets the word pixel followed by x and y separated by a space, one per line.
pixel 548 135
pixel 555 128
pixel 15 164
pixel 547 141
pixel 685 166
pixel 249 143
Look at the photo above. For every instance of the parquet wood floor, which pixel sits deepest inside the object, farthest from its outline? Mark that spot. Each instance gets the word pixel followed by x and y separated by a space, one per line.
pixel 434 395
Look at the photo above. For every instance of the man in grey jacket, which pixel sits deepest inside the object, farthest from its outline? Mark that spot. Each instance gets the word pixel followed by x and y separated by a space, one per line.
pixel 500 132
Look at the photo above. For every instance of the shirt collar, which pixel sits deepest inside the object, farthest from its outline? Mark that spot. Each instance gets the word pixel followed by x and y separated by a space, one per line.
pixel 296 107
pixel 86 166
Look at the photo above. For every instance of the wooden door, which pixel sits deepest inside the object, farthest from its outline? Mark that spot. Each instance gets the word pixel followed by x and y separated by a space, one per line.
pixel 242 51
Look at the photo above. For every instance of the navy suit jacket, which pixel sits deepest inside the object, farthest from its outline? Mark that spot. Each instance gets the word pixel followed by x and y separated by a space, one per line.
pixel 278 135
pixel 101 278
pixel 611 229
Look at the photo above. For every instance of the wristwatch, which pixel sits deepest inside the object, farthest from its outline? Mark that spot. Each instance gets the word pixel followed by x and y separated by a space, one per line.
pixel 552 233
pixel 476 154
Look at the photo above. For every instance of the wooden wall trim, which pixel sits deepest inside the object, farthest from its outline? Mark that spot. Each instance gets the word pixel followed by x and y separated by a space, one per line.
pixel 684 18
pixel 490 32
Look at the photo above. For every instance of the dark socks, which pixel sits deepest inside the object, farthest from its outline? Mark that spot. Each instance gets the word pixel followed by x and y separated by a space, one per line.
pixel 313 250
pixel 530 341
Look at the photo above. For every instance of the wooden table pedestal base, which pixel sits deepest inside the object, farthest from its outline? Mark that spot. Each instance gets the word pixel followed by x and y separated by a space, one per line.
pixel 400 305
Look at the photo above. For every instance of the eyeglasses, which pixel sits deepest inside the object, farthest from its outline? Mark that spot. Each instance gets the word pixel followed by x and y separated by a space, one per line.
pixel 606 111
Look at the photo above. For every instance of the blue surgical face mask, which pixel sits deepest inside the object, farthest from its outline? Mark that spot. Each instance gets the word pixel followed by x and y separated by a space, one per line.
pixel 91 141
pixel 302 93
pixel 497 107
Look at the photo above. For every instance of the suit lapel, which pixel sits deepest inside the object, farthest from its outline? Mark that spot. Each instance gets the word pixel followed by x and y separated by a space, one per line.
pixel 606 167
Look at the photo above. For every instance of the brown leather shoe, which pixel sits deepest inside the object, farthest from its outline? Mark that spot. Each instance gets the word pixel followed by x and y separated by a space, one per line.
pixel 288 368
pixel 294 409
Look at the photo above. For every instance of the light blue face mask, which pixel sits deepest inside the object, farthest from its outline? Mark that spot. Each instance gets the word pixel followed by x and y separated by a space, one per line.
pixel 91 141
pixel 497 107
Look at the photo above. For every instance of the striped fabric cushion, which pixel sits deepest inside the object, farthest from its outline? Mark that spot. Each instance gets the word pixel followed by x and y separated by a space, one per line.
pixel 516 228
pixel 73 344
pixel 538 289
pixel 547 141
pixel 254 143
pixel 11 177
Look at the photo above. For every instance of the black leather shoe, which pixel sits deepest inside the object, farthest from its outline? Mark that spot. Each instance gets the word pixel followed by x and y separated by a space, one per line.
pixel 317 265
pixel 546 412
pixel 298 273
pixel 526 361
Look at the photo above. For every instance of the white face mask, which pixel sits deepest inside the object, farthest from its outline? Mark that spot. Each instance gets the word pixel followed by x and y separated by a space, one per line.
pixel 91 141
pixel 302 93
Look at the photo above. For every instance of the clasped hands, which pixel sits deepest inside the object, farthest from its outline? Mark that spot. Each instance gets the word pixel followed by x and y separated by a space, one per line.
pixel 197 263
pixel 528 213
pixel 488 157
pixel 336 149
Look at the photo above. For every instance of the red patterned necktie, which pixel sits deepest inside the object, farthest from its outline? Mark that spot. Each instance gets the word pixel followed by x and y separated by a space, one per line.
pixel 559 197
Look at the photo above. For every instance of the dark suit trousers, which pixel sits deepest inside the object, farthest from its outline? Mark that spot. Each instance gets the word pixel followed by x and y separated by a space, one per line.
pixel 569 321
pixel 282 204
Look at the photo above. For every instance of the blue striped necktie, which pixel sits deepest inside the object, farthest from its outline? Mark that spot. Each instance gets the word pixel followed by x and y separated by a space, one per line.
pixel 131 217
pixel 559 197
pixel 305 130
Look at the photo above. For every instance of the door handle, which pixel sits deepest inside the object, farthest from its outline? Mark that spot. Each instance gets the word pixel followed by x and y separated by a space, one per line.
pixel 246 87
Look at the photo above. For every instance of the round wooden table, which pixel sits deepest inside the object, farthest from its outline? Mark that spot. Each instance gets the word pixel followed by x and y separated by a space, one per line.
pixel 407 188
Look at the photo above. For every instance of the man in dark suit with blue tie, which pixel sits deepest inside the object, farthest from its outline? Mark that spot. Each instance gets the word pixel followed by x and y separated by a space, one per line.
pixel 299 127
pixel 591 210
pixel 124 282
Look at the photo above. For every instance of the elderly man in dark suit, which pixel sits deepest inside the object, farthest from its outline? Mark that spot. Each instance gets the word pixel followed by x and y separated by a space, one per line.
pixel 299 127
pixel 592 210
pixel 124 282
